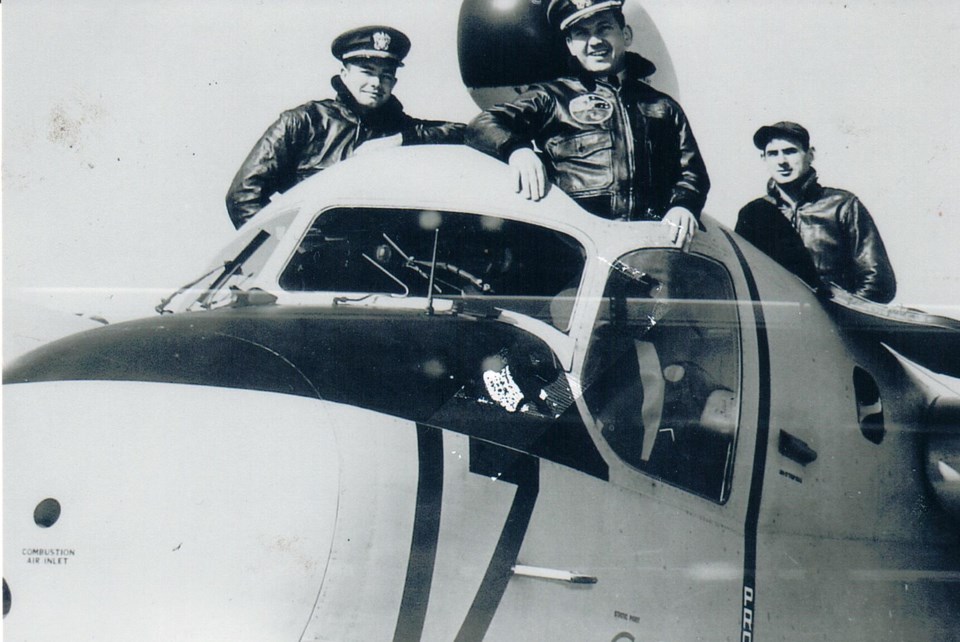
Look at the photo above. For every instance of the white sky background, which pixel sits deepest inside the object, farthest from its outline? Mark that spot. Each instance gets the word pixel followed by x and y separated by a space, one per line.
pixel 125 120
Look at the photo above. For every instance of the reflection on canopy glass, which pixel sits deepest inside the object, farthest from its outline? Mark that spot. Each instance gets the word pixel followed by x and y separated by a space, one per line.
pixel 518 266
pixel 662 374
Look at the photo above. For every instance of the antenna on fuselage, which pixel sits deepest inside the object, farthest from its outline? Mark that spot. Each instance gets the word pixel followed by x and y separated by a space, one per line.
pixel 433 269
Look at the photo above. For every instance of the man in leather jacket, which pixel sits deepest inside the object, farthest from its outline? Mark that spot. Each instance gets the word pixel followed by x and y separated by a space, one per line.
pixel 832 225
pixel 318 134
pixel 619 147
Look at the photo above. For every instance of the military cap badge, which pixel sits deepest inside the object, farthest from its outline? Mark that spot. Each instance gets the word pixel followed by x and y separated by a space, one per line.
pixel 381 41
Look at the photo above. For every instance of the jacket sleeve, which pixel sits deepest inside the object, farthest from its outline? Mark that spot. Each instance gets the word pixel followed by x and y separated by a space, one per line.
pixel 874 278
pixel 692 182
pixel 270 167
pixel 432 132
pixel 502 129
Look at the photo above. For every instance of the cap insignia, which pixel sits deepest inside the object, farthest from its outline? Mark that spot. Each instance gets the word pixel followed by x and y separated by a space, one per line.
pixel 381 41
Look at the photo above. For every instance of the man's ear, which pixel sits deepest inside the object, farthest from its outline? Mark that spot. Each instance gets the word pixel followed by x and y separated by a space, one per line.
pixel 812 153
pixel 627 35
pixel 343 71
pixel 569 42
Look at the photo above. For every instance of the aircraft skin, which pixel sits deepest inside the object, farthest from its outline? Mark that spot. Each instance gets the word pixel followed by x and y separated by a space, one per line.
pixel 314 465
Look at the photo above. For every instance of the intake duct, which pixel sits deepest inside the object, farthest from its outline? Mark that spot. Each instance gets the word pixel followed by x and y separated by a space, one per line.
pixel 942 456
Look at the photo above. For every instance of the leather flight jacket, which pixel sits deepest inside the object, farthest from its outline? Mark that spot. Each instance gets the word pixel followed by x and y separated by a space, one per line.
pixel 316 135
pixel 840 236
pixel 622 152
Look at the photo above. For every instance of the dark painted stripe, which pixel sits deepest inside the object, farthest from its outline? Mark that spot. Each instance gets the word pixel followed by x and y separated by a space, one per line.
pixel 426 532
pixel 763 437
pixel 500 570
pixel 373 359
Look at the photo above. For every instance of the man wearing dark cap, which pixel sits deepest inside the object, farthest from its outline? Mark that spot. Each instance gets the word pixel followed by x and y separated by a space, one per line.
pixel 799 222
pixel 318 134
pixel 622 149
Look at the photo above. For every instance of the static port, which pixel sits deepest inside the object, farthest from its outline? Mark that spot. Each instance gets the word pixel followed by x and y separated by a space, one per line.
pixel 47 513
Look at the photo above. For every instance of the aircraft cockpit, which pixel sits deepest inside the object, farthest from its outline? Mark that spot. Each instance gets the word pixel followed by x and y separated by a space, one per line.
pixel 661 377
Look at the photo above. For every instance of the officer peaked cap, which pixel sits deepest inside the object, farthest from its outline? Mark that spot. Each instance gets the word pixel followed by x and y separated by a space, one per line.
pixel 378 42
pixel 563 13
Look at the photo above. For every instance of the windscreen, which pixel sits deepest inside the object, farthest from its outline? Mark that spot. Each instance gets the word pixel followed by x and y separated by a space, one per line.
pixel 407 253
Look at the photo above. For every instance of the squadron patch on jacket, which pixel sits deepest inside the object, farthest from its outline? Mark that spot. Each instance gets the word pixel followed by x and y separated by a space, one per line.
pixel 591 109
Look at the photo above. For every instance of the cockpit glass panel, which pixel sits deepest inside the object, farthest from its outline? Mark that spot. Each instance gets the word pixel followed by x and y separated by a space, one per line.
pixel 512 265
pixel 662 373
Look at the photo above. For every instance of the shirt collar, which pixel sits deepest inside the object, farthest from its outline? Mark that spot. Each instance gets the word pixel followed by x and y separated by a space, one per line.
pixel 809 189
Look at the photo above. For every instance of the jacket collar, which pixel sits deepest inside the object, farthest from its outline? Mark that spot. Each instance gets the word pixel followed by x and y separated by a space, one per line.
pixel 386 115
pixel 810 189
pixel 638 69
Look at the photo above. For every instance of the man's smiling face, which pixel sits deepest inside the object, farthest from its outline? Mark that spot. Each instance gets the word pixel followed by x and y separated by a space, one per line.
pixel 370 82
pixel 599 43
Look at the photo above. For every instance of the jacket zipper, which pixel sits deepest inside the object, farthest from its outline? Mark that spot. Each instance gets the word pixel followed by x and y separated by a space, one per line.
pixel 631 161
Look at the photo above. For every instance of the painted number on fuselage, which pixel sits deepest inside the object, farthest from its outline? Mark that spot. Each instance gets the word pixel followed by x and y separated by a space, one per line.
pixel 746 628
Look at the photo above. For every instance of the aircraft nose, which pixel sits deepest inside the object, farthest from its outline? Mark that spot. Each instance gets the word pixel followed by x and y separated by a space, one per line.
pixel 195 511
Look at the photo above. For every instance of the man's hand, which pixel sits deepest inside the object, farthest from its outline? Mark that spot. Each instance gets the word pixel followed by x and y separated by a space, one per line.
pixel 377 144
pixel 684 225
pixel 529 175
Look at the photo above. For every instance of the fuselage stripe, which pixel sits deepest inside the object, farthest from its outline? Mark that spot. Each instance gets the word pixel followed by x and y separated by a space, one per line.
pixel 426 533
pixel 500 570
pixel 752 520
